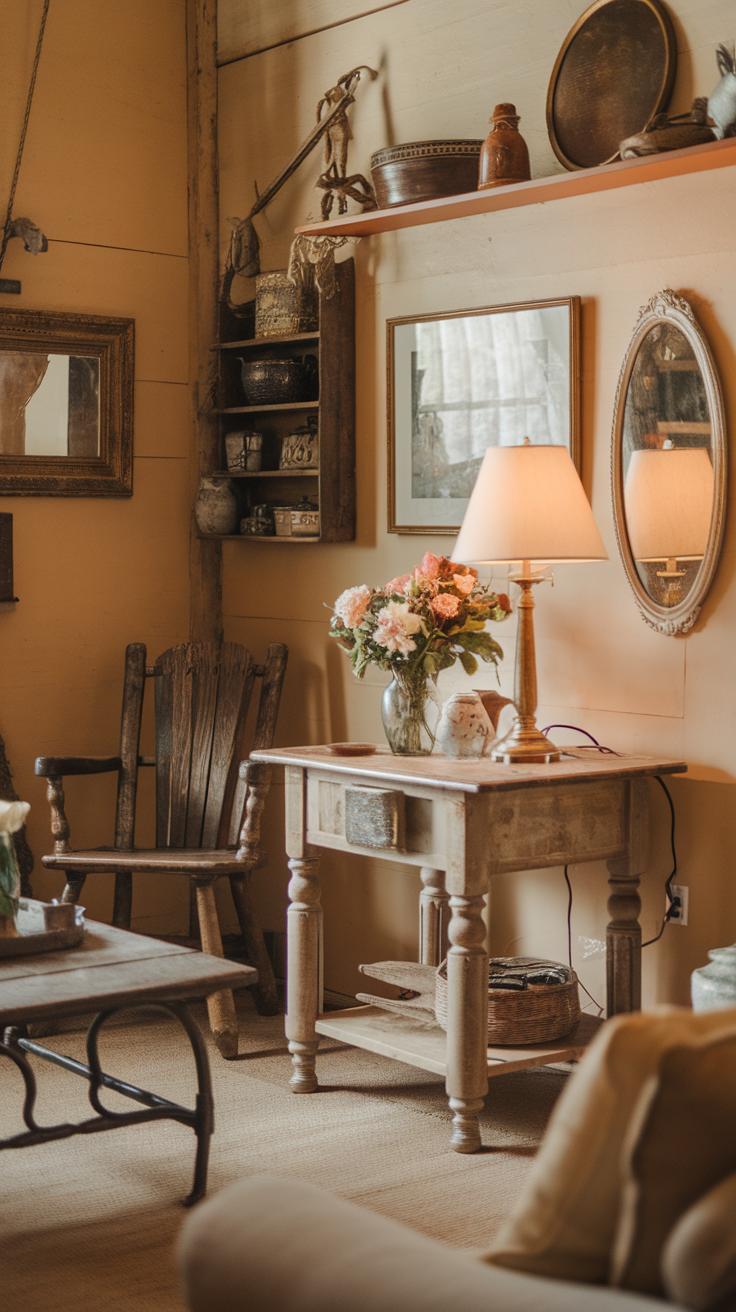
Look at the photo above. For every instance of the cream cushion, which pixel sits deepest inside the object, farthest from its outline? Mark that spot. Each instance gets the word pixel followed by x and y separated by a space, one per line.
pixel 681 1143
pixel 699 1257
pixel 266 1245
pixel 565 1218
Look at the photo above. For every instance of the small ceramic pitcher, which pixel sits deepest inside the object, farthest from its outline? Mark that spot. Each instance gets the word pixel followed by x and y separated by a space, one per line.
pixel 464 730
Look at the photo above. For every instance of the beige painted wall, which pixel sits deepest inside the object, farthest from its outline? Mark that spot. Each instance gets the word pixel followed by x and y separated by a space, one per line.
pixel 105 176
pixel 442 69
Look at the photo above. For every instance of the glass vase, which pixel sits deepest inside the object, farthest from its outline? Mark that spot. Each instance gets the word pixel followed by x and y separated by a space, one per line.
pixel 9 888
pixel 410 711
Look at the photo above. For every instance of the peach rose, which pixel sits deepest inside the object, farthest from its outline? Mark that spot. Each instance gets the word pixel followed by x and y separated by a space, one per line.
pixel 398 584
pixel 429 566
pixel 445 606
pixel 464 583
pixel 352 605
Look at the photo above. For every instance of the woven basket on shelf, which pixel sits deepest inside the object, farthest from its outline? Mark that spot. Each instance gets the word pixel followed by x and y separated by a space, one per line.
pixel 535 1013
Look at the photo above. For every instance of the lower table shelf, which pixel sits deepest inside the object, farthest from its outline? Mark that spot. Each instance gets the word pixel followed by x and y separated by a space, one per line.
pixel 420 1044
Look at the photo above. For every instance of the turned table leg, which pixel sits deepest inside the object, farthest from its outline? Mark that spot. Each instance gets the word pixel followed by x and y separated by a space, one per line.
pixel 433 916
pixel 623 933
pixel 623 939
pixel 304 983
pixel 467 1021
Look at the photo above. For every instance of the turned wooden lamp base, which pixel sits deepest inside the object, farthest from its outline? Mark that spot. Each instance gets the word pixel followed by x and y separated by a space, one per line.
pixel 525 742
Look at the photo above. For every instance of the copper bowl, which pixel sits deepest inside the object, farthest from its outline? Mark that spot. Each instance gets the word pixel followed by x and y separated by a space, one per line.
pixel 424 170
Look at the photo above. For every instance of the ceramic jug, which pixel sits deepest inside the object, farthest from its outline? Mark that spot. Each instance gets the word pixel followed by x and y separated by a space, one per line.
pixel 504 157
pixel 216 507
pixel 464 730
pixel 715 985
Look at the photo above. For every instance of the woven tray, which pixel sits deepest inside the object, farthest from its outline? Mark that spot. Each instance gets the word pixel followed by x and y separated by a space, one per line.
pixel 536 1013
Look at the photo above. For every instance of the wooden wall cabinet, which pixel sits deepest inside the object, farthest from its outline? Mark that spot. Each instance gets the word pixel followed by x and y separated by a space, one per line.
pixel 332 485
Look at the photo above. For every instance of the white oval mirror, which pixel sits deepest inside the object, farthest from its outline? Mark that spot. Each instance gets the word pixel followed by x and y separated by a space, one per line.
pixel 669 463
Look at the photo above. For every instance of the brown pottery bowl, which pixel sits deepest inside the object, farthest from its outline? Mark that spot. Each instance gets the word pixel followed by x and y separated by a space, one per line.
pixel 424 170
pixel 273 382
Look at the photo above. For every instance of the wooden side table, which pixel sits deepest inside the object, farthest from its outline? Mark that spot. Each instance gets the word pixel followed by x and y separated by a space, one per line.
pixel 461 822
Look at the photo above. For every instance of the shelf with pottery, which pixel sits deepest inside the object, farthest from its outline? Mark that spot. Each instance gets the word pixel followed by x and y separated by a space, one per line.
pixel 330 484
pixel 559 186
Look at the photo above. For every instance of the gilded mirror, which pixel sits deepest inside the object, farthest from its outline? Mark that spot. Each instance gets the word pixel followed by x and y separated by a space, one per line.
pixel 66 404
pixel 669 459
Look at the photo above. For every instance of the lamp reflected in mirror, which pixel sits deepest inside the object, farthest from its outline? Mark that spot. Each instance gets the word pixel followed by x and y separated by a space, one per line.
pixel 669 496
pixel 669 464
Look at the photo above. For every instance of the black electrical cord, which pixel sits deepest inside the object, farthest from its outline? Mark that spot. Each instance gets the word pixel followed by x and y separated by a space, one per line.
pixel 669 913
pixel 569 935
pixel 575 728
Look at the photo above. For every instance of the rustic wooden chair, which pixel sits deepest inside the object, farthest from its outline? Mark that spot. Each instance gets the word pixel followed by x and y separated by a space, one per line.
pixel 202 693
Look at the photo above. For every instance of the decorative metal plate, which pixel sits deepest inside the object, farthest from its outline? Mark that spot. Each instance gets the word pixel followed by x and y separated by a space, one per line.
pixel 615 71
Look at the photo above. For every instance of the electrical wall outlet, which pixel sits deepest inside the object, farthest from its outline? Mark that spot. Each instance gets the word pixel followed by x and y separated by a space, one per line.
pixel 679 914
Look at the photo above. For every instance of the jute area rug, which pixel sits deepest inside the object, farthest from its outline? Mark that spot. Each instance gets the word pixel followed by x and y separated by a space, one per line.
pixel 93 1221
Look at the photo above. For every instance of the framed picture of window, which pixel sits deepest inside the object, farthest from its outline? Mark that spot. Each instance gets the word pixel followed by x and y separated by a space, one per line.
pixel 461 382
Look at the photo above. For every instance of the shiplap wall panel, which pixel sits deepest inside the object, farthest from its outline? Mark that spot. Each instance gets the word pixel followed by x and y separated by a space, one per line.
pixel 442 69
pixel 248 28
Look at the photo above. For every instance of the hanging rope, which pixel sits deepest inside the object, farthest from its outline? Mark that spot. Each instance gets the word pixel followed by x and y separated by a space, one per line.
pixel 6 230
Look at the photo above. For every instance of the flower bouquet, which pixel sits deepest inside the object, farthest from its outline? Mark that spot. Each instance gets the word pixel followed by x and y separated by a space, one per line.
pixel 12 818
pixel 416 626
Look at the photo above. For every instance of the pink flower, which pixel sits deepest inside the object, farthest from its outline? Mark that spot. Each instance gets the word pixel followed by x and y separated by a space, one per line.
pixel 398 584
pixel 445 606
pixel 428 568
pixel 395 625
pixel 464 583
pixel 352 605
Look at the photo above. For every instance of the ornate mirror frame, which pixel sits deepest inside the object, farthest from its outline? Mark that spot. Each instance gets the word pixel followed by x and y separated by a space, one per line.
pixel 111 342
pixel 667 307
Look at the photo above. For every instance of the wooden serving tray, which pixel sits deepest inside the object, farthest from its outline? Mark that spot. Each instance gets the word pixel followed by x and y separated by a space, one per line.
pixel 34 937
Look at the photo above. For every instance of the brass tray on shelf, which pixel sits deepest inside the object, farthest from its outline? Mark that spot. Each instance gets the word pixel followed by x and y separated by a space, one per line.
pixel 614 72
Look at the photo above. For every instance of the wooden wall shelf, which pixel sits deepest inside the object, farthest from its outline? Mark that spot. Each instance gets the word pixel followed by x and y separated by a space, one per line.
pixel 627 173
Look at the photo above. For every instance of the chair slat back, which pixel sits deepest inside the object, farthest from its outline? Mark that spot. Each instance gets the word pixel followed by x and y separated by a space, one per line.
pixel 130 734
pixel 202 694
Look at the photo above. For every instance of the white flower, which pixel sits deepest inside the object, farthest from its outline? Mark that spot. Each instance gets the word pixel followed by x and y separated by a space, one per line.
pixel 352 604
pixel 13 816
pixel 395 624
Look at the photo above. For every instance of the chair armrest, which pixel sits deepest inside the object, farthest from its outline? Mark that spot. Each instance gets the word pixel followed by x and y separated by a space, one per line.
pixel 54 768
pixel 254 778
pixel 57 766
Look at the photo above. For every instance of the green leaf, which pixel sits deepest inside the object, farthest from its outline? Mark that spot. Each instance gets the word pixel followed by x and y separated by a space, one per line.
pixel 468 662
pixel 8 906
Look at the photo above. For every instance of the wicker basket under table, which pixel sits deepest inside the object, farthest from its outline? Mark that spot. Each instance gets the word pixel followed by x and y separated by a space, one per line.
pixel 538 1013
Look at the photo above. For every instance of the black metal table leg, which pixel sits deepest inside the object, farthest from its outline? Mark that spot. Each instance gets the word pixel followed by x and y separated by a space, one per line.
pixel 200 1118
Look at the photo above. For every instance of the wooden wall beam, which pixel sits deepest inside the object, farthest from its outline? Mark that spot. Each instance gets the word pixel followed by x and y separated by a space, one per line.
pixel 205 556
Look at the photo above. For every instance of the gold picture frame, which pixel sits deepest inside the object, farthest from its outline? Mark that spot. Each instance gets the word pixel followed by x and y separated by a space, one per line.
pixel 80 439
pixel 464 380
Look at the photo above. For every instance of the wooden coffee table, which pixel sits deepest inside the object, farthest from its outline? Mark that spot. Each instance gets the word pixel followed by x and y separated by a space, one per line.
pixel 111 971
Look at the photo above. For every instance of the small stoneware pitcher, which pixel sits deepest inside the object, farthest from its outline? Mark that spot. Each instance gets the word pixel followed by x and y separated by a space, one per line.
pixel 464 730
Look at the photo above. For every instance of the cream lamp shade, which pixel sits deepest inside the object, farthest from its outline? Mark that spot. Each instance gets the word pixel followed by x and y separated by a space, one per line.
pixel 669 498
pixel 528 504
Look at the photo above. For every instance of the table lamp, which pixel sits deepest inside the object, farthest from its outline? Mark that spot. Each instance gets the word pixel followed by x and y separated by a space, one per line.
pixel 669 497
pixel 528 508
